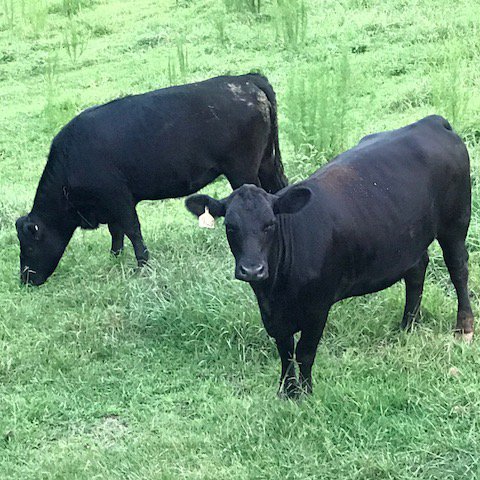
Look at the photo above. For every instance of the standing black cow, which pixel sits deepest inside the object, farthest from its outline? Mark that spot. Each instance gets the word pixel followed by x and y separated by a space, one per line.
pixel 356 226
pixel 162 144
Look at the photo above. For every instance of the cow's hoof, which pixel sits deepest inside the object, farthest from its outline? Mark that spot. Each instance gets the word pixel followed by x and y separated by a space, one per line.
pixel 290 391
pixel 464 337
pixel 116 253
pixel 290 395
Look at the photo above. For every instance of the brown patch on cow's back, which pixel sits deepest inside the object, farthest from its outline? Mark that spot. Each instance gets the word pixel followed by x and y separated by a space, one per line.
pixel 335 176
pixel 263 105
pixel 235 88
pixel 237 91
pixel 248 94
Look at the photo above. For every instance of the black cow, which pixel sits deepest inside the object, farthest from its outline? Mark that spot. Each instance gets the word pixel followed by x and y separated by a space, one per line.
pixel 162 144
pixel 356 226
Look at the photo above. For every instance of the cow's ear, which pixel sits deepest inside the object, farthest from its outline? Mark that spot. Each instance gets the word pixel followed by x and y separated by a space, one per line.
pixel 197 203
pixel 292 201
pixel 20 223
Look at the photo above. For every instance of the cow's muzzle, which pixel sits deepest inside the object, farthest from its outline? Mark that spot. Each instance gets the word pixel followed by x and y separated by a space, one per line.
pixel 252 273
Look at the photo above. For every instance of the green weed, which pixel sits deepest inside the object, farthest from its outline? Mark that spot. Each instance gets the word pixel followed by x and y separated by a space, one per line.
pixel 316 103
pixel 71 7
pixel 178 67
pixel 219 22
pixel 36 15
pixel 252 6
pixel 75 39
pixel 50 72
pixel 292 22
pixel 58 109
pixel 449 94
pixel 9 12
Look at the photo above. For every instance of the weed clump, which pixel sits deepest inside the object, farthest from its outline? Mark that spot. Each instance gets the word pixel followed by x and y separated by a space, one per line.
pixel 252 6
pixel 58 110
pixel 449 96
pixel 75 40
pixel 178 68
pixel 317 103
pixel 292 22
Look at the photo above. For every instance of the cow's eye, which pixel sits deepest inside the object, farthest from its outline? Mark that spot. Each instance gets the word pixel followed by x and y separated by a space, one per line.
pixel 268 227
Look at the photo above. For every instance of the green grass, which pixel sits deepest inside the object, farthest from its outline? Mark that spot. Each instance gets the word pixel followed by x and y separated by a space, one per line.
pixel 169 374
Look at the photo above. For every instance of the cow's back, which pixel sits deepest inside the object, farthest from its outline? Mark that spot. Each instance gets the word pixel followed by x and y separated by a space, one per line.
pixel 169 142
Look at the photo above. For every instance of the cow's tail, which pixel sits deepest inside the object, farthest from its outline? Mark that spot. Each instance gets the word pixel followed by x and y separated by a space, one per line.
pixel 272 175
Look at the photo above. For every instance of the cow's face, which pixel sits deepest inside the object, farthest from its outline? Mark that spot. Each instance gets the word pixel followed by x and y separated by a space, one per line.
pixel 40 250
pixel 251 220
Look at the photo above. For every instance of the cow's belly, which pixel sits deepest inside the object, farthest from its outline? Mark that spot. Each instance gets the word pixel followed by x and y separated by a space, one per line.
pixel 175 187
pixel 173 180
pixel 387 266
pixel 385 244
pixel 372 285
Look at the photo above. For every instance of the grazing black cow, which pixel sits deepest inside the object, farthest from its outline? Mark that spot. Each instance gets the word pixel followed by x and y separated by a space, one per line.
pixel 162 144
pixel 356 226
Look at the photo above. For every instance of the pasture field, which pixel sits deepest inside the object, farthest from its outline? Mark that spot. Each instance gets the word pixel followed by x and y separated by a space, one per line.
pixel 107 373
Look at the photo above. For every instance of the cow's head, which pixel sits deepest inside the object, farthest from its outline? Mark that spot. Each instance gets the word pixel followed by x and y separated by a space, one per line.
pixel 251 220
pixel 41 248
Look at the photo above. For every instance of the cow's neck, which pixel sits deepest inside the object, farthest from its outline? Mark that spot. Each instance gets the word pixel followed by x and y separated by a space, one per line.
pixel 287 257
pixel 282 248
pixel 51 203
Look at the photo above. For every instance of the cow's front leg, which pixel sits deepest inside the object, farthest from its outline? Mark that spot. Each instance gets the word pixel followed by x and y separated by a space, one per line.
pixel 312 331
pixel 288 379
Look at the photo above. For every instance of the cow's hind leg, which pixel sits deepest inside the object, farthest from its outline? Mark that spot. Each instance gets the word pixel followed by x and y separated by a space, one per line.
pixel 288 379
pixel 414 280
pixel 126 218
pixel 134 234
pixel 456 258
pixel 237 179
pixel 117 238
pixel 271 175
pixel 242 168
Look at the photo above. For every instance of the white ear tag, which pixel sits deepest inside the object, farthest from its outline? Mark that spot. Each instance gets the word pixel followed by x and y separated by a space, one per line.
pixel 205 220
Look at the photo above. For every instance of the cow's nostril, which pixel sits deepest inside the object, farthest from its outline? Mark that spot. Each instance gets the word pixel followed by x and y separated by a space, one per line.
pixel 252 271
